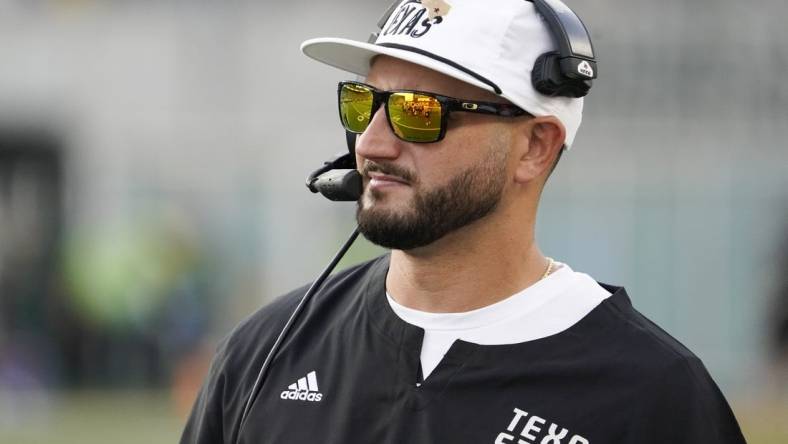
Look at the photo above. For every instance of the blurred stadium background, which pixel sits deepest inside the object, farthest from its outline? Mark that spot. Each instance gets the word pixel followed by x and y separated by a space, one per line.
pixel 152 157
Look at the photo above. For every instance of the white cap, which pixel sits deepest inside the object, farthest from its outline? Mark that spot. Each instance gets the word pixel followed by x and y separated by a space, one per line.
pixel 492 44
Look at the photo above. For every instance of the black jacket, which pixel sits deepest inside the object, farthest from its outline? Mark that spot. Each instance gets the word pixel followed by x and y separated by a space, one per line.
pixel 348 372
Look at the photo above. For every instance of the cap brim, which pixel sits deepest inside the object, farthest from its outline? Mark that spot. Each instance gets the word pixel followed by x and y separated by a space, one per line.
pixel 356 57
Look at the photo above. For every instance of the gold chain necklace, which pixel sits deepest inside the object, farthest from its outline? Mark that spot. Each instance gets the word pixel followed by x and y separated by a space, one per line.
pixel 550 263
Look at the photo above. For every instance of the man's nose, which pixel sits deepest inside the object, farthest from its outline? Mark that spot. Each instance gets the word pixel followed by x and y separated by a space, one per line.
pixel 378 140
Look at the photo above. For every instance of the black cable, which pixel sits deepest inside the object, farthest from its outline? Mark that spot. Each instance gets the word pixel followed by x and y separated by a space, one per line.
pixel 301 304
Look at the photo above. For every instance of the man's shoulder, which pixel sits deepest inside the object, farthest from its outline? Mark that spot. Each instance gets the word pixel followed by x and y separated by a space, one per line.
pixel 661 380
pixel 240 353
pixel 262 326
pixel 239 356
pixel 639 343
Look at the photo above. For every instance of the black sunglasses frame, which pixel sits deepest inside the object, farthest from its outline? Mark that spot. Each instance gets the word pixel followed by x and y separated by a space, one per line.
pixel 448 105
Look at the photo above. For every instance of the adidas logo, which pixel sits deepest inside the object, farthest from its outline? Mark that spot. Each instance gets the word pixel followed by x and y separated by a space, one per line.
pixel 305 389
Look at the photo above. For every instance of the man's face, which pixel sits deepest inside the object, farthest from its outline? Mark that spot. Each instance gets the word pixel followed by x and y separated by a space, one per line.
pixel 415 194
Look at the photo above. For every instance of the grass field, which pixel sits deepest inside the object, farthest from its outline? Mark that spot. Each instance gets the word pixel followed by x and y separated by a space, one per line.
pixel 93 418
pixel 150 417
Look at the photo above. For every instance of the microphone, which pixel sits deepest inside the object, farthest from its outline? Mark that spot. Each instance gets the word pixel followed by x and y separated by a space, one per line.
pixel 337 179
pixel 339 185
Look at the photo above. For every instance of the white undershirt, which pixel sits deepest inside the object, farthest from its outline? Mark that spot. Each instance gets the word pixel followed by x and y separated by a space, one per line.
pixel 547 307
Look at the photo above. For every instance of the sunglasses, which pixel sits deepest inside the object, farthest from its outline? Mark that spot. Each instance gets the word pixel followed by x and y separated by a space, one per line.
pixel 414 116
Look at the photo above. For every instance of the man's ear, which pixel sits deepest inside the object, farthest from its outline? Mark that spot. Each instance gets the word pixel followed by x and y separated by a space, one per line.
pixel 543 138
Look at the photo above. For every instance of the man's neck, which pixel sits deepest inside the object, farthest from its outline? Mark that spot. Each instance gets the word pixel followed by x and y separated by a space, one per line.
pixel 465 270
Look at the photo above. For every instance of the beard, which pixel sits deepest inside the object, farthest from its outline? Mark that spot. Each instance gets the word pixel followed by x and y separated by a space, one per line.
pixel 433 213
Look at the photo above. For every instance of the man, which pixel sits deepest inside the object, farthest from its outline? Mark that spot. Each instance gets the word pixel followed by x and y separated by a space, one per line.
pixel 466 332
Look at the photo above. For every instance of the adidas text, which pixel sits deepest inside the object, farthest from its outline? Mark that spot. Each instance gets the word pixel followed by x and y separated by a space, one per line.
pixel 301 396
pixel 305 389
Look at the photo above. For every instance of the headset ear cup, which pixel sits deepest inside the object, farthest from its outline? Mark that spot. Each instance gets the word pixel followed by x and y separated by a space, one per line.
pixel 548 79
pixel 546 74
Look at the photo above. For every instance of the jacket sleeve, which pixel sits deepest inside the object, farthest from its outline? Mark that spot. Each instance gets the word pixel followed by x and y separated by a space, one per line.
pixel 683 405
pixel 206 421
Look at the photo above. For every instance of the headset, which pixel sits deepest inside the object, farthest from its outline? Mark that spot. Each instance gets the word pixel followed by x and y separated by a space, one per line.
pixel 567 72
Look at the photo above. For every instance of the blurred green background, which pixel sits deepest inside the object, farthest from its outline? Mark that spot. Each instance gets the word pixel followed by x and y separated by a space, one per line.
pixel 152 157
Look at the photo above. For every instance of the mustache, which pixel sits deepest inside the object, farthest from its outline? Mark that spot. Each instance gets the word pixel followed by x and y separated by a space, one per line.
pixel 387 169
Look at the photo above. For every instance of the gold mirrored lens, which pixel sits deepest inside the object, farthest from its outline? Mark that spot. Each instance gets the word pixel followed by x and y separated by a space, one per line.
pixel 415 117
pixel 355 107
